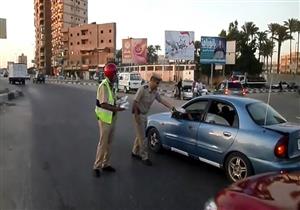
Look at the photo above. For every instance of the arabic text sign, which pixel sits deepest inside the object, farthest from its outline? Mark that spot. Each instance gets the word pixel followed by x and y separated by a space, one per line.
pixel 213 50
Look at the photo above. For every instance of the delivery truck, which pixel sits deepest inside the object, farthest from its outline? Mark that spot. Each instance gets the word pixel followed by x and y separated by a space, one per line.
pixel 17 72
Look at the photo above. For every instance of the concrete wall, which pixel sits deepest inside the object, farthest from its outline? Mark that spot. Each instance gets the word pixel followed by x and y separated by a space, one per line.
pixel 284 77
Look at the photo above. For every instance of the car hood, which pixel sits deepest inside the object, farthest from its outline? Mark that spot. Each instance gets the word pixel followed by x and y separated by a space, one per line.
pixel 279 190
pixel 159 116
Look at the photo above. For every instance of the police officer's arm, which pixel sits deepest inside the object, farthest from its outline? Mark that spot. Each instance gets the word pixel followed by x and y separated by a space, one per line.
pixel 103 101
pixel 111 107
pixel 163 101
pixel 136 100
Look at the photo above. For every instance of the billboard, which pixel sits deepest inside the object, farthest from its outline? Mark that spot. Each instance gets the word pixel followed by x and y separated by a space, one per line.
pixel 230 52
pixel 2 28
pixel 179 45
pixel 213 50
pixel 134 51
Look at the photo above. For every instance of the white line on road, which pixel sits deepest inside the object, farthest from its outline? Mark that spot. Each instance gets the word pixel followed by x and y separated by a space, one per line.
pixel 298 118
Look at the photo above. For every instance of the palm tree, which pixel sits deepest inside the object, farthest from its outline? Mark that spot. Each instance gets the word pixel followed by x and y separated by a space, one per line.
pixel 298 31
pixel 291 25
pixel 119 56
pixel 223 34
pixel 272 29
pixel 250 30
pixel 157 48
pixel 262 37
pixel 281 35
pixel 267 50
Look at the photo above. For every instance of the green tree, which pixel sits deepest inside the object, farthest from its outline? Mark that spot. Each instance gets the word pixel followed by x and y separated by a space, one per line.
pixel 261 36
pixel 291 25
pixel 281 35
pixel 157 48
pixel 119 56
pixel 267 50
pixel 272 29
pixel 151 54
pixel 250 30
pixel 223 34
pixel 247 62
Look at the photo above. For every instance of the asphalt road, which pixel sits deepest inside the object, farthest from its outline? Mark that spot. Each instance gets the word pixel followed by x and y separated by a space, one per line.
pixel 48 141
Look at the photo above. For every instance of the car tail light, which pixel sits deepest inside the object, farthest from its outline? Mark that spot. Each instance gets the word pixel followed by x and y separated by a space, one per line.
pixel 281 148
pixel 226 92
pixel 244 91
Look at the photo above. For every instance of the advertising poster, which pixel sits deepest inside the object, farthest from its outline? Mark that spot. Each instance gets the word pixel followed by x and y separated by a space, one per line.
pixel 134 51
pixel 179 45
pixel 213 50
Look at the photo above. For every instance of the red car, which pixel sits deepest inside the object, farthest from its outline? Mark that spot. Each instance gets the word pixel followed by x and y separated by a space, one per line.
pixel 270 191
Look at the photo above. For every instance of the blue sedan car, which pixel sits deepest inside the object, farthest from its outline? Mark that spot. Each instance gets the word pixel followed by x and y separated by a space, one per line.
pixel 241 135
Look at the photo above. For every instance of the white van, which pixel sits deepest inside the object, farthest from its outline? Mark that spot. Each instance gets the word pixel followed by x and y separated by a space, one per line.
pixel 128 81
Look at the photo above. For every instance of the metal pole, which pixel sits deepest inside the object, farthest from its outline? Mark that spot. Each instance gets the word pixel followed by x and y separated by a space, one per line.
pixel 211 74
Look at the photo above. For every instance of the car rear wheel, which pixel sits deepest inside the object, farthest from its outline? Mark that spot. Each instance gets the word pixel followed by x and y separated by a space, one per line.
pixel 237 167
pixel 154 142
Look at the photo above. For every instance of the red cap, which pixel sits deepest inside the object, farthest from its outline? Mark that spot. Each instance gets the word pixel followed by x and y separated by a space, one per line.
pixel 110 70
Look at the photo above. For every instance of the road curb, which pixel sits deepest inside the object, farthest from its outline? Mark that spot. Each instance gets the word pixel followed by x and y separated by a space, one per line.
pixel 10 96
pixel 167 92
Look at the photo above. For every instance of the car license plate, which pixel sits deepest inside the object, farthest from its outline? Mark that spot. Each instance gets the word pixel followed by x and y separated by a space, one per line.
pixel 298 144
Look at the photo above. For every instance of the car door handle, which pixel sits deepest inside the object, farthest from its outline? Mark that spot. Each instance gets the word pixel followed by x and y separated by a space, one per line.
pixel 190 127
pixel 227 134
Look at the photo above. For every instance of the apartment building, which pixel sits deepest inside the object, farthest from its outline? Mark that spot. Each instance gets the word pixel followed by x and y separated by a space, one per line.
pixel 88 47
pixel 286 66
pixel 42 23
pixel 22 59
pixel 51 17
pixel 65 14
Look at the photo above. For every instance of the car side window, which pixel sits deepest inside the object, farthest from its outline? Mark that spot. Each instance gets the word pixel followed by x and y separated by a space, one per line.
pixel 195 110
pixel 220 113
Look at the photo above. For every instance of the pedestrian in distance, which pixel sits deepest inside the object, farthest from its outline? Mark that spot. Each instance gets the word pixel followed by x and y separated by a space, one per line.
pixel 143 100
pixel 179 86
pixel 106 113
pixel 280 86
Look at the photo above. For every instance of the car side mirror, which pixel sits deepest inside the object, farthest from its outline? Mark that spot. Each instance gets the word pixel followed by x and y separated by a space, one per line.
pixel 177 113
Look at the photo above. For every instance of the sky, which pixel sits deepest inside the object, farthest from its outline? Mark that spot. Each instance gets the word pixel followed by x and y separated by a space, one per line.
pixel 149 19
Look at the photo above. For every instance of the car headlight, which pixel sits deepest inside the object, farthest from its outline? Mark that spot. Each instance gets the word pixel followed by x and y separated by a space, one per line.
pixel 210 205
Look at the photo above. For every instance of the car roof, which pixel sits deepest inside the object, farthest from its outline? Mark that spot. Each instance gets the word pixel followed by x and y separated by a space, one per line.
pixel 232 99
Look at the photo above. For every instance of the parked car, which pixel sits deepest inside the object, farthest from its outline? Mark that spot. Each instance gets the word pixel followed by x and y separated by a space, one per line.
pixel 243 136
pixel 187 89
pixel 231 88
pixel 39 78
pixel 270 191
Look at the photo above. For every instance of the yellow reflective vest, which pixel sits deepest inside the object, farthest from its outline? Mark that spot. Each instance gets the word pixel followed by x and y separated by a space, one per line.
pixel 103 114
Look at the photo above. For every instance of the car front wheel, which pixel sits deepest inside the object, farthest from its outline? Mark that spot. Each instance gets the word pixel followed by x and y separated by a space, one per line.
pixel 237 167
pixel 154 142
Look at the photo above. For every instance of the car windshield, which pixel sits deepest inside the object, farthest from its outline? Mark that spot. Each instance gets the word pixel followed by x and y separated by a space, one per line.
pixel 135 77
pixel 234 85
pixel 258 112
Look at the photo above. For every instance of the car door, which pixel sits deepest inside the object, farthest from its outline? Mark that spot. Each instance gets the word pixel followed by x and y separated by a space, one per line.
pixel 217 132
pixel 182 136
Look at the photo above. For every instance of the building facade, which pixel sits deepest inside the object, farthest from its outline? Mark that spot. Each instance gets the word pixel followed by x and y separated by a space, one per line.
pixel 286 66
pixel 42 23
pixel 22 59
pixel 51 17
pixel 88 47
pixel 65 14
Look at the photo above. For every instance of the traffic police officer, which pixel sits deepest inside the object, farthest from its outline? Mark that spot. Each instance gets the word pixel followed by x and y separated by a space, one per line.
pixel 106 110
pixel 143 100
